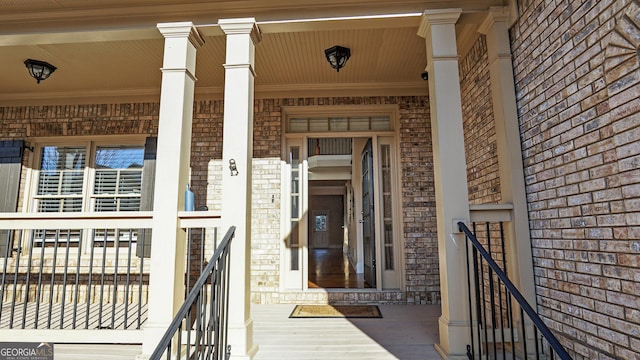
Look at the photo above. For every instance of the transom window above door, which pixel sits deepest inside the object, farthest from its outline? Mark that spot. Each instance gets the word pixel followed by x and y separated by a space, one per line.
pixel 339 124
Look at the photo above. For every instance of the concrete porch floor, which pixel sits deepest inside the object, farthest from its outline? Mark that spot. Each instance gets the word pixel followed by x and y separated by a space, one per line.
pixel 405 332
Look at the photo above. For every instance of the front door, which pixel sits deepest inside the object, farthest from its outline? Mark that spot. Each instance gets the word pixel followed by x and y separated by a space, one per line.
pixel 368 224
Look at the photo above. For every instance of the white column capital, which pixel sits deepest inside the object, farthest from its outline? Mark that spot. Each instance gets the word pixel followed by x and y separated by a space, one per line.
pixel 495 28
pixel 496 14
pixel 241 26
pixel 437 27
pixel 438 17
pixel 181 30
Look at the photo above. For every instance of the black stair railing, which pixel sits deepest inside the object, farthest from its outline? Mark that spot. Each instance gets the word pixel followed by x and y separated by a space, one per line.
pixel 199 329
pixel 499 329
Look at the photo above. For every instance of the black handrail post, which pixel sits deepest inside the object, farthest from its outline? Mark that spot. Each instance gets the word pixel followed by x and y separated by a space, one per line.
pixel 471 347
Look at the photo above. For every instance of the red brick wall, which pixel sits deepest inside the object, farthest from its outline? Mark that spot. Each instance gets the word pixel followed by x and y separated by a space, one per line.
pixel 479 127
pixel 578 87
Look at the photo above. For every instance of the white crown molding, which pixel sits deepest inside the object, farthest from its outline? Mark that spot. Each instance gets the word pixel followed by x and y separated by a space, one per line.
pixel 415 88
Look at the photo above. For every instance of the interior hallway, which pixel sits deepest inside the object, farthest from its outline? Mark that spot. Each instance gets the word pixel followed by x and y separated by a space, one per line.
pixel 330 268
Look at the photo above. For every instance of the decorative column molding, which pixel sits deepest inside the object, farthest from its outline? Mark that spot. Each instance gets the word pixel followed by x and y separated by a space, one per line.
pixel 450 175
pixel 496 29
pixel 166 280
pixel 237 151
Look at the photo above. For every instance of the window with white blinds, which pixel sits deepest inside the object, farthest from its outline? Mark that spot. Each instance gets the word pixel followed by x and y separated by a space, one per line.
pixel 118 178
pixel 61 183
pixel 89 177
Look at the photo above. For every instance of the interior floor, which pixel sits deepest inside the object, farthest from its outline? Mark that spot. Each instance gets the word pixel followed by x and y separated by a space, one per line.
pixel 330 268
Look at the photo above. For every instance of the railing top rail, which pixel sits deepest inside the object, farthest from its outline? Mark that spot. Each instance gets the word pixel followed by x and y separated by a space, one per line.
pixel 76 215
pixel 490 212
pixel 98 220
pixel 192 296
pixel 76 220
pixel 194 219
pixel 537 321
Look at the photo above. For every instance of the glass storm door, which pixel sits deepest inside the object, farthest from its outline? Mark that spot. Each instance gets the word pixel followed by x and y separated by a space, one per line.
pixel 368 223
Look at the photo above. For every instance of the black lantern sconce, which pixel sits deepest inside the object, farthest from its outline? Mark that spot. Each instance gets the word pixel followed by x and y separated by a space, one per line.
pixel 39 70
pixel 233 168
pixel 337 56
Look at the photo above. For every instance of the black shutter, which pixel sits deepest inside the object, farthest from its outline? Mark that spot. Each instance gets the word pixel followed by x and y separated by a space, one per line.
pixel 143 247
pixel 10 167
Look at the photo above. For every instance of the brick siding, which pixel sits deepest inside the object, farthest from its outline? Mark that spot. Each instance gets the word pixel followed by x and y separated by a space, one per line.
pixel 578 87
pixel 420 240
pixel 481 149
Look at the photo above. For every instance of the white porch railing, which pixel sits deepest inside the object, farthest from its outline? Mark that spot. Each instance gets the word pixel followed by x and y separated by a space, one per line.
pixel 85 272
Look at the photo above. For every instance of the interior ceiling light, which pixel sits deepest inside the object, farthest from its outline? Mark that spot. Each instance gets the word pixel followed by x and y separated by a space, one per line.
pixel 337 56
pixel 39 70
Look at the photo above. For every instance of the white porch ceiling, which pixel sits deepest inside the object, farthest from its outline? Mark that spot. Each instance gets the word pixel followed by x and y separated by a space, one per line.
pixel 110 50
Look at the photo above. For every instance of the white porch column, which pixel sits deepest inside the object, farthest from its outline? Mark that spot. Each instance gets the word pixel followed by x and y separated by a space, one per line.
pixel 166 281
pixel 242 36
pixel 520 265
pixel 450 174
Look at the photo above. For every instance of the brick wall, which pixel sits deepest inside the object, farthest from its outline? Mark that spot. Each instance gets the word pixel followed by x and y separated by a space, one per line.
pixel 75 120
pixel 419 202
pixel 578 86
pixel 479 128
pixel 420 240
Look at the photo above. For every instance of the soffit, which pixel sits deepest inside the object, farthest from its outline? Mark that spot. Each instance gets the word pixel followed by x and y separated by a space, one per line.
pixel 123 63
pixel 35 15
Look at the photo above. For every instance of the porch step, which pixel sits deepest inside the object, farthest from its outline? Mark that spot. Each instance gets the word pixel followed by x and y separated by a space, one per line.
pixel 96 351
pixel 405 332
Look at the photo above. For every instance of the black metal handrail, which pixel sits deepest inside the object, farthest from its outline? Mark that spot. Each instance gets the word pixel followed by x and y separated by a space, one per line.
pixel 556 349
pixel 206 330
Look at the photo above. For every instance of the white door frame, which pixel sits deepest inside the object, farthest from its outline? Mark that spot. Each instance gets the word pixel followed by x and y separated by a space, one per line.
pixel 298 279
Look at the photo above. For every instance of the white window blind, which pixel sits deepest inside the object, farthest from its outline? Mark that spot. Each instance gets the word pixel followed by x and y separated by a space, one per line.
pixel 61 182
pixel 118 178
pixel 115 181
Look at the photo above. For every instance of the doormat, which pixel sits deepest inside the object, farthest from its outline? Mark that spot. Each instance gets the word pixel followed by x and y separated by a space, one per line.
pixel 336 311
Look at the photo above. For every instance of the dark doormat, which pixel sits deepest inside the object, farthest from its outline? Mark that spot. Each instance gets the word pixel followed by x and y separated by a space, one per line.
pixel 336 311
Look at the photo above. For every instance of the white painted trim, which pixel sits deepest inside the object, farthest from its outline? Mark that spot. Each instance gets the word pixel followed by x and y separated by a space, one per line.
pixel 76 220
pixel 199 219
pixel 343 110
pixel 73 336
pixel 491 212
pixel 152 95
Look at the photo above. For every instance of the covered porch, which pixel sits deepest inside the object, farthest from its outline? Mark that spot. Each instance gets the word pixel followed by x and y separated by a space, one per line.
pixel 395 50
pixel 405 332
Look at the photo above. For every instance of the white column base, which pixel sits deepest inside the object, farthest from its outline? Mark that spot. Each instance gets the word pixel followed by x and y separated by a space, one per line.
pixel 151 333
pixel 454 338
pixel 241 341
